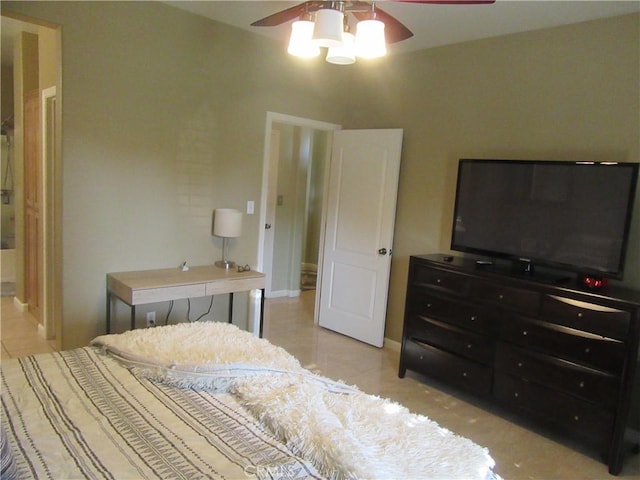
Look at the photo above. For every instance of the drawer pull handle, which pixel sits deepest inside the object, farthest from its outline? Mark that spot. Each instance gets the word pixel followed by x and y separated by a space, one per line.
pixel 576 417
pixel 421 357
pixel 581 384
pixel 469 345
pixel 438 281
pixel 587 350
pixel 520 364
pixel 516 394
pixel 525 333
pixel 500 297
pixel 579 314
pixel 428 305
pixel 464 374
pixel 473 318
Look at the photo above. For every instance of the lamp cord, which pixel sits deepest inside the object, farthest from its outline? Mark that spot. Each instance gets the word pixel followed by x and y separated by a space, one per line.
pixel 203 315
pixel 166 319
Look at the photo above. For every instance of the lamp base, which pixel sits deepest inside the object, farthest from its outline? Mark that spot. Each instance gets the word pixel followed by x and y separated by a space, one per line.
pixel 226 264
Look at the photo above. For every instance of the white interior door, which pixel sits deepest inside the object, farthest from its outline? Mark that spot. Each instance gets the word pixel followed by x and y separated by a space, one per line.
pixel 360 216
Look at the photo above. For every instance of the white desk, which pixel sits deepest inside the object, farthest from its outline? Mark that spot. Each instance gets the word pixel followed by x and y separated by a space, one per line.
pixel 152 286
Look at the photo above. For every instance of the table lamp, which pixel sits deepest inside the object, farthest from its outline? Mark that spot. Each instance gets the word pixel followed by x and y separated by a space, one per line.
pixel 227 223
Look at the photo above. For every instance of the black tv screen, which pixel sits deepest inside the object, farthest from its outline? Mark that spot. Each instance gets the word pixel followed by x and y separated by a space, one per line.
pixel 569 215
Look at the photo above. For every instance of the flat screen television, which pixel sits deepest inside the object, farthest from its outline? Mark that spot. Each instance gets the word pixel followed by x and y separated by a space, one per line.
pixel 572 216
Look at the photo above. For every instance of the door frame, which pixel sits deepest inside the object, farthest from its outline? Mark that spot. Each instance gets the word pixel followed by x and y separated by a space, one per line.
pixel 50 126
pixel 268 184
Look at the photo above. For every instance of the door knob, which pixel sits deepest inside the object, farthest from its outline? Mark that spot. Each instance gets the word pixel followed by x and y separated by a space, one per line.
pixel 382 251
pixel 267 226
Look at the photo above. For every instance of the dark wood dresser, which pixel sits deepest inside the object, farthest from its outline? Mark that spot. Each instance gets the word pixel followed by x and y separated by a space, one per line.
pixel 561 356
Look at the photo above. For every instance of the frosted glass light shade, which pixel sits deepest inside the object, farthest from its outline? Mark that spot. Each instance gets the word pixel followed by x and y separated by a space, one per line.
pixel 328 28
pixel 345 54
pixel 227 222
pixel 370 41
pixel 300 42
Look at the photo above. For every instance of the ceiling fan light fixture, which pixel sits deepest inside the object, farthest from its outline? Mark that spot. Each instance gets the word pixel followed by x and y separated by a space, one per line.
pixel 328 28
pixel 370 41
pixel 300 42
pixel 346 53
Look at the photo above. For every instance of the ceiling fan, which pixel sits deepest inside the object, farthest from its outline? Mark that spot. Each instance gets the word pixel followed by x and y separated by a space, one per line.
pixel 394 30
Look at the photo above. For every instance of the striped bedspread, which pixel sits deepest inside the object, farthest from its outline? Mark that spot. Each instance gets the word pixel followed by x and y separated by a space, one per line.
pixel 79 414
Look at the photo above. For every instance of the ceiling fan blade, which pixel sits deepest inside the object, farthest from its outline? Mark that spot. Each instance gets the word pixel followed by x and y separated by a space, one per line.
pixel 394 30
pixel 286 15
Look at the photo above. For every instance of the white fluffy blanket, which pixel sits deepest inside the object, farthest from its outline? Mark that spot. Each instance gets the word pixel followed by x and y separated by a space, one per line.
pixel 346 433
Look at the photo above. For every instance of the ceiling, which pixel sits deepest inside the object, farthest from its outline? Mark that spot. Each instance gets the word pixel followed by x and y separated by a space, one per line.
pixel 432 25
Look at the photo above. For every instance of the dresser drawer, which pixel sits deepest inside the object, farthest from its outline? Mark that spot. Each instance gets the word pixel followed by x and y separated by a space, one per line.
pixel 449 282
pixel 581 419
pixel 473 317
pixel 452 339
pixel 450 368
pixel 593 385
pixel 564 342
pixel 601 320
pixel 524 301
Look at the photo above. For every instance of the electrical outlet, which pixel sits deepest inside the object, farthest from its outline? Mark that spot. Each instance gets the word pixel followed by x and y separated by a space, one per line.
pixel 151 319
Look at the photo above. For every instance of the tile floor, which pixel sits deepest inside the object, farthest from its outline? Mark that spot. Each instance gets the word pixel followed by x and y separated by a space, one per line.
pixel 19 332
pixel 520 453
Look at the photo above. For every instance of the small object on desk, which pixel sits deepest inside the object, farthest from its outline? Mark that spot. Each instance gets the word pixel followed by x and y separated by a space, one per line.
pixel 184 267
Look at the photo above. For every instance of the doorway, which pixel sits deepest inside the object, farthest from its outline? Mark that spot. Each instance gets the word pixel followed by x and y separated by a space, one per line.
pixel 297 152
pixel 31 75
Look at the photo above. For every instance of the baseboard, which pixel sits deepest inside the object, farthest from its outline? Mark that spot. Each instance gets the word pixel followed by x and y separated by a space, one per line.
pixel 284 293
pixel 392 345
pixel 19 305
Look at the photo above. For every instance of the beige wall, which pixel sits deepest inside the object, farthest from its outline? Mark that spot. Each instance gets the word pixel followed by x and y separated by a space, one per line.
pixel 570 93
pixel 164 119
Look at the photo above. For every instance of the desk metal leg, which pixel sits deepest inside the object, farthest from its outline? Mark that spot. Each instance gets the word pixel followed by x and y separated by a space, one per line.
pixel 261 311
pixel 231 307
pixel 110 313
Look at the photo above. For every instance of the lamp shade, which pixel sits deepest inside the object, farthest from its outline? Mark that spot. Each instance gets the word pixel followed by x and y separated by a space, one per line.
pixel 370 41
pixel 328 28
pixel 227 222
pixel 300 42
pixel 345 54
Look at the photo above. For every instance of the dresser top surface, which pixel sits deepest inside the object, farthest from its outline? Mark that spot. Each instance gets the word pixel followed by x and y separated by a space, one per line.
pixel 548 283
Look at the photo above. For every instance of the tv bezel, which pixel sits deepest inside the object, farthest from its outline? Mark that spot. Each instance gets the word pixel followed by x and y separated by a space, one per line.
pixel 527 262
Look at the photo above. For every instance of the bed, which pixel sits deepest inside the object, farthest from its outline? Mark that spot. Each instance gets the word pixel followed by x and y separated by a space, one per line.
pixel 207 400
